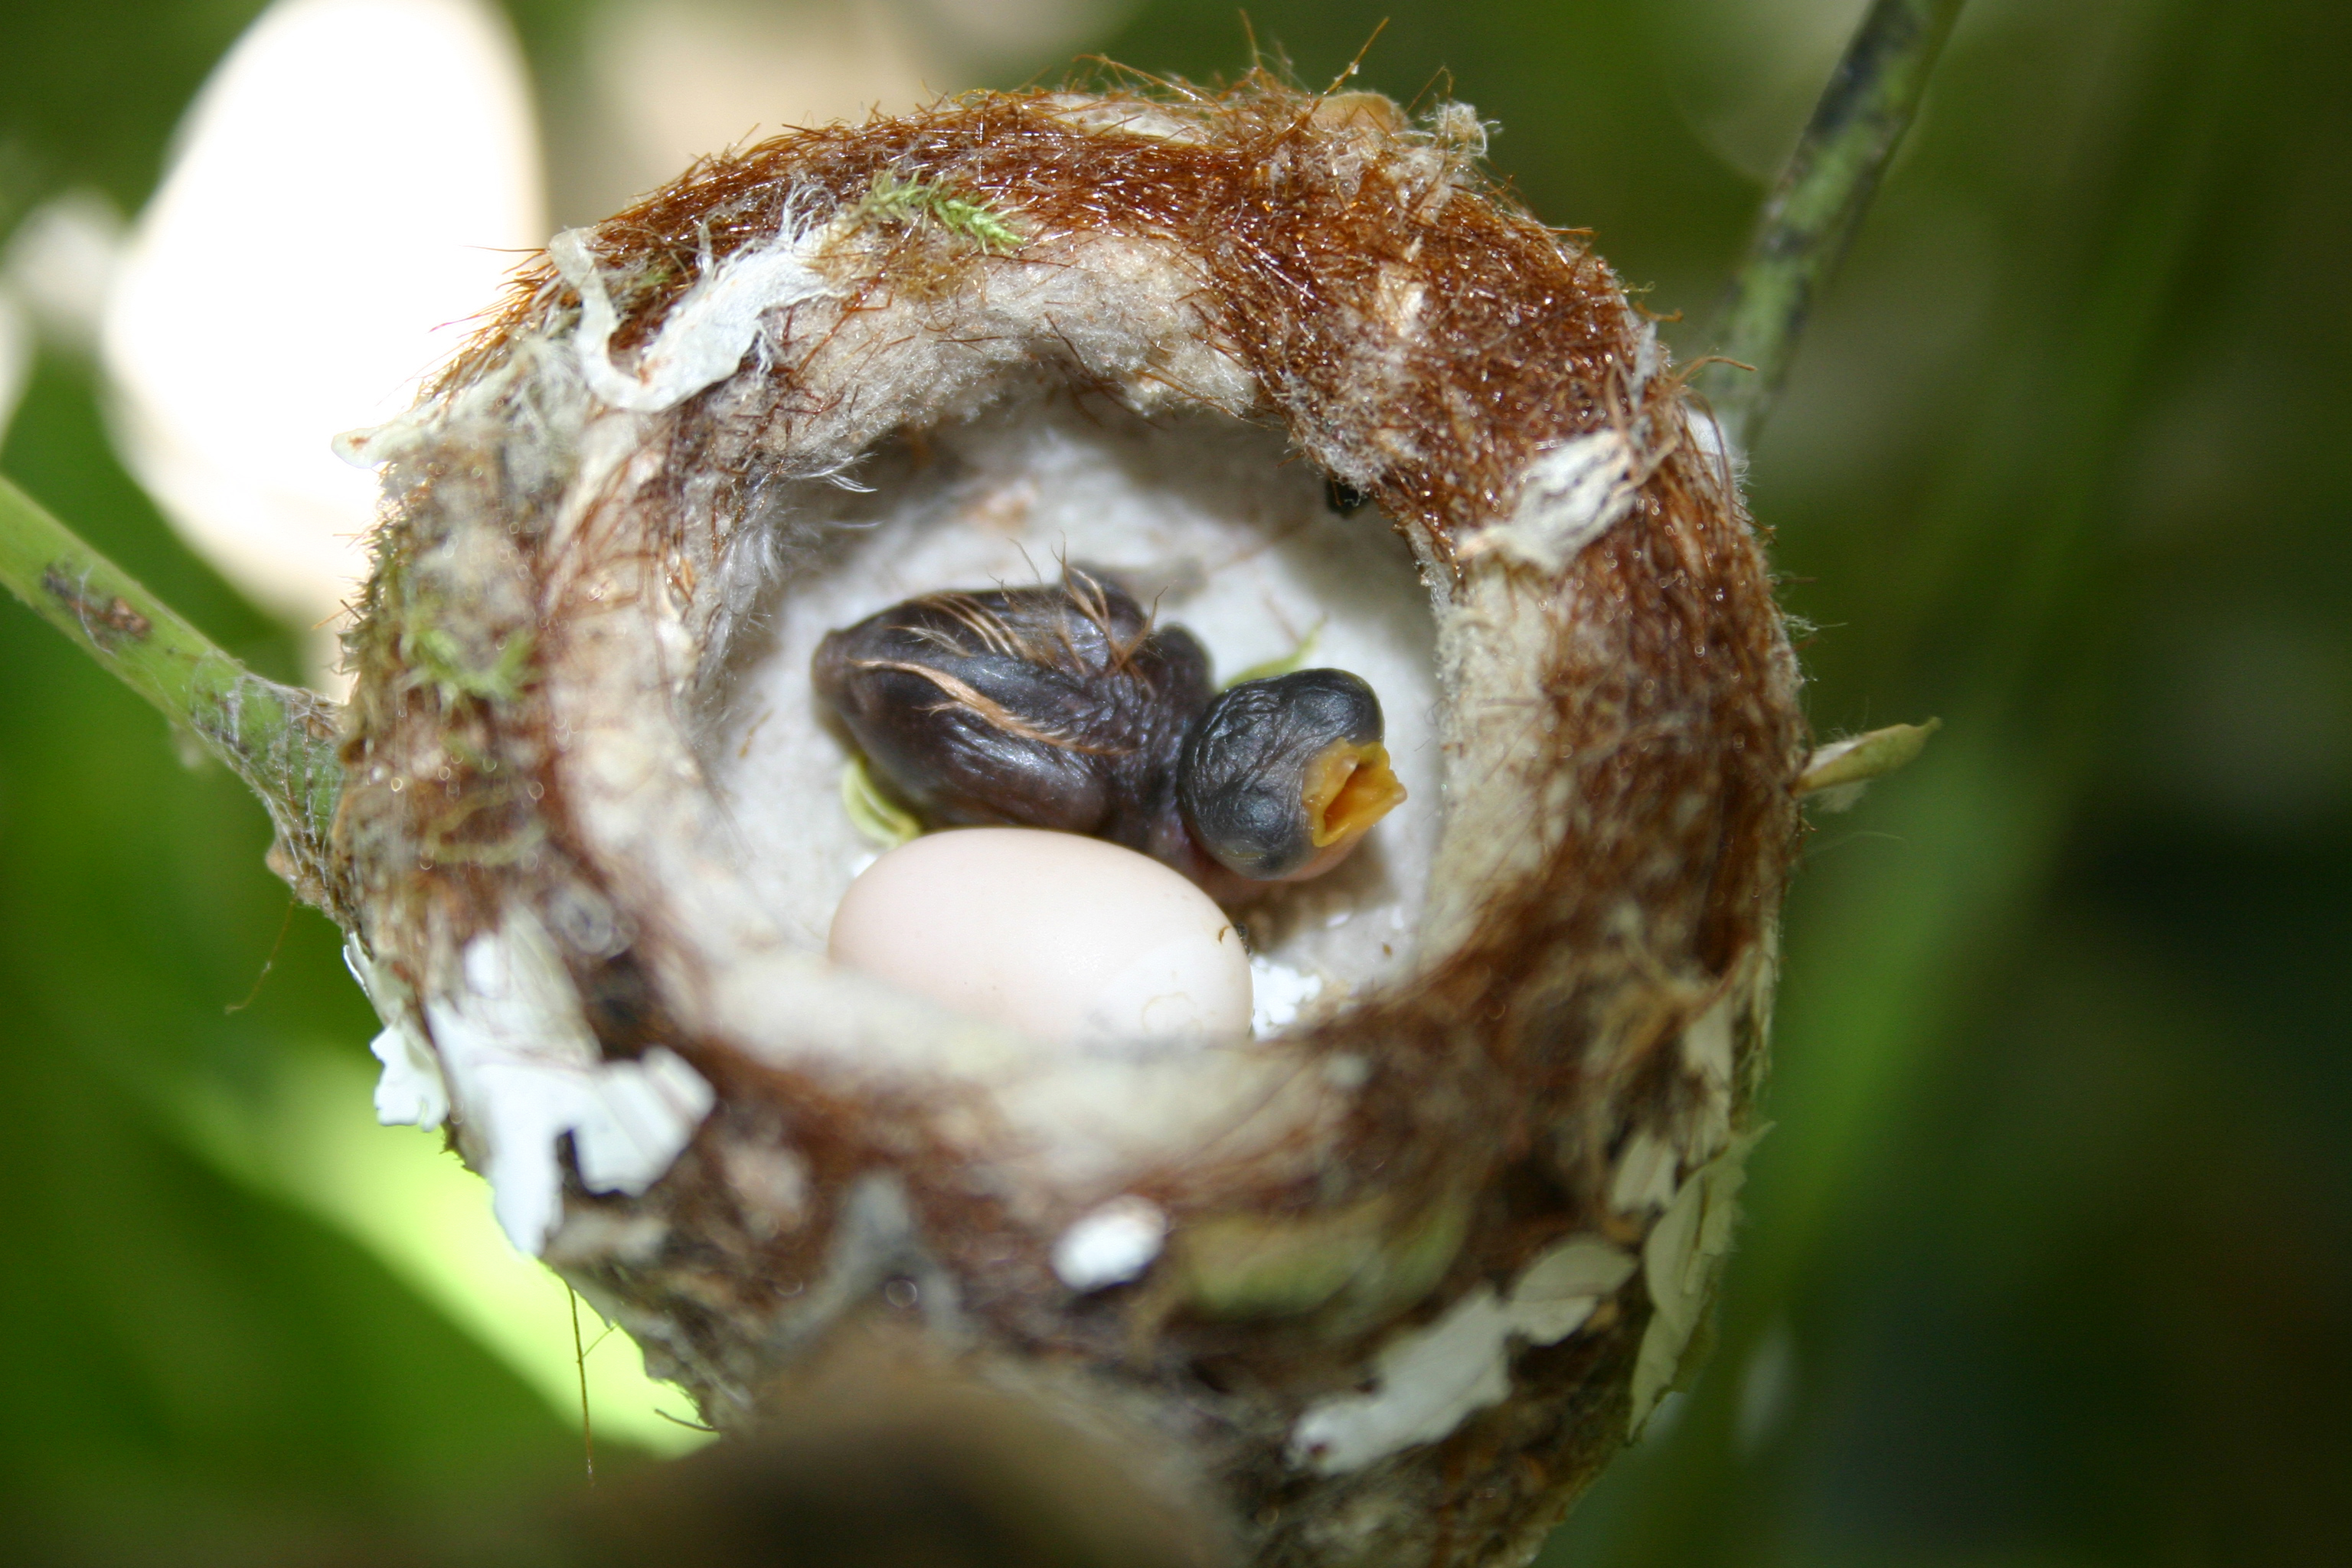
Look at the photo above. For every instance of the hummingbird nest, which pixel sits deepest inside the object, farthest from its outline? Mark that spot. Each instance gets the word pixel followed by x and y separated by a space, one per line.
pixel 1384 1280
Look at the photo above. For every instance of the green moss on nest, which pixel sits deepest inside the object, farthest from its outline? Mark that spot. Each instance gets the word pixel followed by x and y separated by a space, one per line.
pixel 920 203
pixel 438 657
pixel 405 625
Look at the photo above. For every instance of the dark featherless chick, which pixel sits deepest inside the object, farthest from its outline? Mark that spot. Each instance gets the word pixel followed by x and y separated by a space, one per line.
pixel 1067 707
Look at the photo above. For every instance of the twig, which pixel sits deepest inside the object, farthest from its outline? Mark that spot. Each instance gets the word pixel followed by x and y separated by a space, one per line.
pixel 580 1356
pixel 280 740
pixel 1814 209
pixel 268 964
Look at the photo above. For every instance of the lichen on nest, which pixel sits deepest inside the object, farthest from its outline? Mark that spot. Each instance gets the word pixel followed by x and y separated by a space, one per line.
pixel 1413 1237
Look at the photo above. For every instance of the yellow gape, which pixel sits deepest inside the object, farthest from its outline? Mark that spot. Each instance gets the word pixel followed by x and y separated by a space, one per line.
pixel 1349 788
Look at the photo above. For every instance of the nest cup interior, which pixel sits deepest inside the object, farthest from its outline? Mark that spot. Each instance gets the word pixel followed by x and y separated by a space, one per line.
pixel 1213 523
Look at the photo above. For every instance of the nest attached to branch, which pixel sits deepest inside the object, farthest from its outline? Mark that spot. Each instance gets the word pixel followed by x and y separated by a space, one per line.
pixel 1386 1283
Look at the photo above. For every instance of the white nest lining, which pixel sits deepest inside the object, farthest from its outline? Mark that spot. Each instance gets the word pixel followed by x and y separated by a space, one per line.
pixel 1239 547
pixel 745 848
pixel 708 792
pixel 706 338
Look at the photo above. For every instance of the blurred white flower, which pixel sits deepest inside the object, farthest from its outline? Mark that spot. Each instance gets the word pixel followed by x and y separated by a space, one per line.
pixel 54 275
pixel 354 181
pixel 673 80
pixel 60 263
pixel 16 357
pixel 350 187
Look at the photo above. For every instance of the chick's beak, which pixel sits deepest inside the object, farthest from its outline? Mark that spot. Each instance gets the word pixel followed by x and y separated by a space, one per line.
pixel 1346 788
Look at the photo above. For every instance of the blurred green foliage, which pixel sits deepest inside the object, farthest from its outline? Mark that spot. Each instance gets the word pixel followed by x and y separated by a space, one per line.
pixel 2050 1258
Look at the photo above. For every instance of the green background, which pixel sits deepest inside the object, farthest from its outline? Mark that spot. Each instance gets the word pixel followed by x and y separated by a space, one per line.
pixel 2049 1260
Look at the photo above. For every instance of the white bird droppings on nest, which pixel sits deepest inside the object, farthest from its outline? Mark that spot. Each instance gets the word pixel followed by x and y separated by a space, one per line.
pixel 1111 1245
pixel 1429 1380
pixel 523 1068
pixel 1278 992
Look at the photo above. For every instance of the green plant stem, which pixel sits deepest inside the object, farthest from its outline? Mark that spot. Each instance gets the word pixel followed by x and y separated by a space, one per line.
pixel 280 740
pixel 1817 204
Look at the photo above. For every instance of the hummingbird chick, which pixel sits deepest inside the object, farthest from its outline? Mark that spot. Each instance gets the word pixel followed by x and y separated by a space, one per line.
pixel 1067 707
pixel 1280 779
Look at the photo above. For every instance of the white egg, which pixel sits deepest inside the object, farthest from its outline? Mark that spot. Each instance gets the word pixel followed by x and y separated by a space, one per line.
pixel 1062 938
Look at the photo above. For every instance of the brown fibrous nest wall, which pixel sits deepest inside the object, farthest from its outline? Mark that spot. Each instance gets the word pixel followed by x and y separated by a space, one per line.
pixel 1352 280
